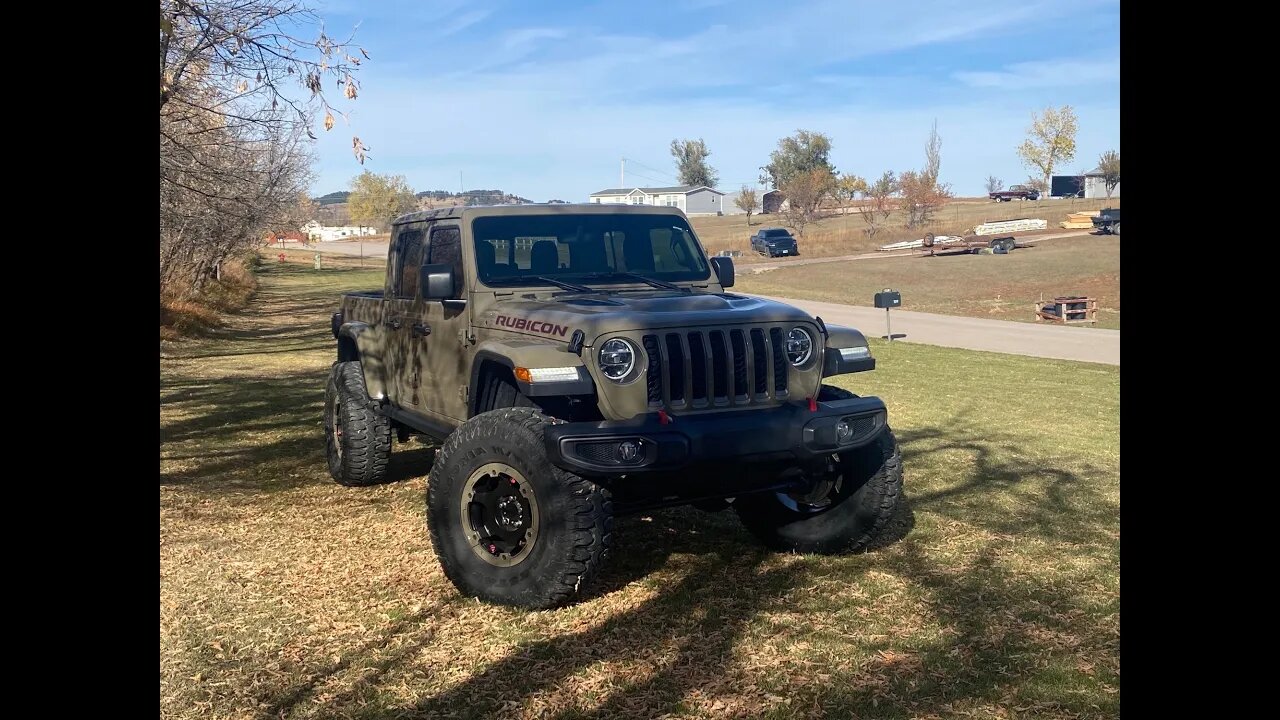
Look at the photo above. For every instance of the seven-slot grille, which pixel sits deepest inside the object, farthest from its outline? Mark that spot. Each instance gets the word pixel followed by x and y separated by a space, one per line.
pixel 701 368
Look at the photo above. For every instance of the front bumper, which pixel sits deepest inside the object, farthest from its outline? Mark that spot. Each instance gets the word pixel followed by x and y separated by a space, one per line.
pixel 788 431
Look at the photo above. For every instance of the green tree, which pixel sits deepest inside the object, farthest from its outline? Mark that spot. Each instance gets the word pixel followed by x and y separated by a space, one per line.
pixel 747 202
pixel 850 185
pixel 800 153
pixel 1051 140
pixel 377 199
pixel 1109 166
pixel 691 163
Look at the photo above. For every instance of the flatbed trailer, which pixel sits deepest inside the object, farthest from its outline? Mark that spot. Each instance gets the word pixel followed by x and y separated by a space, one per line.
pixel 948 244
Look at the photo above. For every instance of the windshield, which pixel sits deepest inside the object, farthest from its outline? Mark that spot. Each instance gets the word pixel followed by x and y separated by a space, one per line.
pixel 518 250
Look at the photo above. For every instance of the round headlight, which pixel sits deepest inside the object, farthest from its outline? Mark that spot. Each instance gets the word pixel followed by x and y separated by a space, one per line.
pixel 799 346
pixel 617 357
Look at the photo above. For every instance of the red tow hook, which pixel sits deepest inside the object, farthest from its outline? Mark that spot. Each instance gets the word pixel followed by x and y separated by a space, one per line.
pixel 813 405
pixel 663 418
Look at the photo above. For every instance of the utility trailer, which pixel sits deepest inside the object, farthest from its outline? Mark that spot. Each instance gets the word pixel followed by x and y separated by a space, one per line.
pixel 949 244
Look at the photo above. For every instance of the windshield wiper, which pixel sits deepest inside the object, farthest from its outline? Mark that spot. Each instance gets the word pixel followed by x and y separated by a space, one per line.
pixel 632 276
pixel 573 287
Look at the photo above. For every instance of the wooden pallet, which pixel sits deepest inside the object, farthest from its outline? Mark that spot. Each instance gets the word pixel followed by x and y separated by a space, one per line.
pixel 1087 315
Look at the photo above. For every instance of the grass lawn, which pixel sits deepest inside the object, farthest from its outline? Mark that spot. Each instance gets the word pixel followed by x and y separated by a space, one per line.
pixel 285 595
pixel 999 287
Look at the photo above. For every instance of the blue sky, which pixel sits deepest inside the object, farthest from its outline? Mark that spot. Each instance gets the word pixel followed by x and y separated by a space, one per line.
pixel 543 99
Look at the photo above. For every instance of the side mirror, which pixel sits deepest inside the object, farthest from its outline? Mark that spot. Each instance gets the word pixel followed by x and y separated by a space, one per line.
pixel 724 270
pixel 436 282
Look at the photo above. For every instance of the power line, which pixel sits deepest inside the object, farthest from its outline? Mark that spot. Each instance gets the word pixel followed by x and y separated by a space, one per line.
pixel 660 172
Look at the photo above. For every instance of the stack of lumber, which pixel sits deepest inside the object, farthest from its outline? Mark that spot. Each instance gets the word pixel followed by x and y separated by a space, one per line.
pixel 1009 226
pixel 1079 220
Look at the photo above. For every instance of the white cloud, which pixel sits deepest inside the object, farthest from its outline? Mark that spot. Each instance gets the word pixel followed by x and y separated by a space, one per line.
pixel 1042 74
pixel 462 22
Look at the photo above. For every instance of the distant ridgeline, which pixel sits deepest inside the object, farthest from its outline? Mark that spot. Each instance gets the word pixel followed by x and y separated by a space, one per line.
pixel 474 197
pixel 443 197
pixel 332 198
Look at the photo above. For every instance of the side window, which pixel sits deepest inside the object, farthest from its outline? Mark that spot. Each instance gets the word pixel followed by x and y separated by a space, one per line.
pixel 408 261
pixel 446 249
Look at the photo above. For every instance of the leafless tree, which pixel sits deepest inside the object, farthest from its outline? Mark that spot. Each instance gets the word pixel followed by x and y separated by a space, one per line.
pixel 1109 166
pixel 805 192
pixel 994 184
pixel 747 202
pixel 239 89
pixel 922 194
pixel 880 193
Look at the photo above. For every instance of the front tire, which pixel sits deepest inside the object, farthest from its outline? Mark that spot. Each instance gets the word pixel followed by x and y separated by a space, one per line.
pixel 357 437
pixel 859 501
pixel 507 525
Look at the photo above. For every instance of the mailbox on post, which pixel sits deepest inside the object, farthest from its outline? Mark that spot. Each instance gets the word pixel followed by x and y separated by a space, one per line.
pixel 888 299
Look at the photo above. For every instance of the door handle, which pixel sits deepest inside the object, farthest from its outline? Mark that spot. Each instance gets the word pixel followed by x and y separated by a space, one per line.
pixel 393 324
pixel 421 329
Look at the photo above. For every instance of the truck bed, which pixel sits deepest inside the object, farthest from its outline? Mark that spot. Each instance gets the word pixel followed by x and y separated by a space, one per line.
pixel 364 306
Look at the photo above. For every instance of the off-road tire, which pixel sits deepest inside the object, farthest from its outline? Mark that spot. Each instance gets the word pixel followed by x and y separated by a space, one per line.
pixel 861 510
pixel 575 516
pixel 1115 229
pixel 360 451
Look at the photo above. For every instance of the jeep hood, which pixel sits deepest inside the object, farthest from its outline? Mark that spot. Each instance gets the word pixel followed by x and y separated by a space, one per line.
pixel 597 314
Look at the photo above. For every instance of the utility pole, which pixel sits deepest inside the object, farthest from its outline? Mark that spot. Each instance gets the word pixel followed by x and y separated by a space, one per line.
pixel 461 187
pixel 622 174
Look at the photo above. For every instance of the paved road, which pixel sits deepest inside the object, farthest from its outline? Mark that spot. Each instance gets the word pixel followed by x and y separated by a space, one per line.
pixel 1003 336
pixel 376 249
pixel 795 262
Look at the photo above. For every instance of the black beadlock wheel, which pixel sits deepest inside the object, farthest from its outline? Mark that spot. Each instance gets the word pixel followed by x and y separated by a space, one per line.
pixel 843 511
pixel 507 525
pixel 357 437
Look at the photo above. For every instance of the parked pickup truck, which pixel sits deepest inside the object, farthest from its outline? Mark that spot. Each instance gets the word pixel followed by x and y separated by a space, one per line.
pixel 1021 192
pixel 578 362
pixel 773 242
pixel 1108 221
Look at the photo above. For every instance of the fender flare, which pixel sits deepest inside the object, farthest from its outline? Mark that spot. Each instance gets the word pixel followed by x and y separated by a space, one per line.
pixel 354 344
pixel 856 358
pixel 511 355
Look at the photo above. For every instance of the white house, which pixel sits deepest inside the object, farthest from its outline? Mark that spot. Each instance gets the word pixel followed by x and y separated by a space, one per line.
pixel 324 233
pixel 692 199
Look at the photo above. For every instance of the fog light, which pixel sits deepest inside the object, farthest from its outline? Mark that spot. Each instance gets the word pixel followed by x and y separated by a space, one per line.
pixel 844 431
pixel 628 451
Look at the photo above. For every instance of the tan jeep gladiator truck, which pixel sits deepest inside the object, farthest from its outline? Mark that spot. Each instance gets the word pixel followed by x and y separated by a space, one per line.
pixel 579 362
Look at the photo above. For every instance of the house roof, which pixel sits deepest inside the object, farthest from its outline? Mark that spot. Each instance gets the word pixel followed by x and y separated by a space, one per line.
pixel 675 189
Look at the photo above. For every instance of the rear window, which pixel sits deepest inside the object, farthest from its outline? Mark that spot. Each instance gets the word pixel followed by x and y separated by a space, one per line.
pixel 777 233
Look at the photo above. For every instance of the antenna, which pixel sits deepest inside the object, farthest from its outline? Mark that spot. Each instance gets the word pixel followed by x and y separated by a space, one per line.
pixel 622 174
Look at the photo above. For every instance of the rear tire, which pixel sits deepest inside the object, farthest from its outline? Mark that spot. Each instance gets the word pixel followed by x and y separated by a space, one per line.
pixel 1115 229
pixel 357 437
pixel 558 526
pixel 857 509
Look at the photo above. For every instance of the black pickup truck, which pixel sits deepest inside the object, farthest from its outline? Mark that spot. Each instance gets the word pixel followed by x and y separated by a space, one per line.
pixel 1108 221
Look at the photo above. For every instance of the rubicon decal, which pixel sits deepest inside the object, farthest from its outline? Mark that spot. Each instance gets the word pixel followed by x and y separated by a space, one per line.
pixel 537 326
